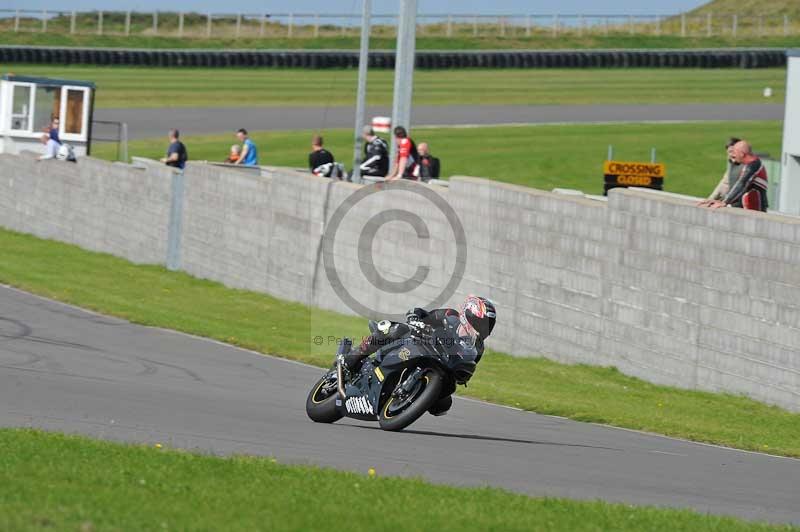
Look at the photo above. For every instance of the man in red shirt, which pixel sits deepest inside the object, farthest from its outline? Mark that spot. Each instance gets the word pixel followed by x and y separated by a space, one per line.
pixel 748 188
pixel 407 157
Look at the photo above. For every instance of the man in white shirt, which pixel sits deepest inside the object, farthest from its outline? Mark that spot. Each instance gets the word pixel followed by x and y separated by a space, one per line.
pixel 50 148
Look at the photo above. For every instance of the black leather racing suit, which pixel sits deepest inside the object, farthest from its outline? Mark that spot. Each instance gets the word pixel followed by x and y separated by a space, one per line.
pixel 376 158
pixel 394 331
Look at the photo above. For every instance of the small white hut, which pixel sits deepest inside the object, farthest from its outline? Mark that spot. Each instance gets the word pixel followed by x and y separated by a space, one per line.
pixel 29 104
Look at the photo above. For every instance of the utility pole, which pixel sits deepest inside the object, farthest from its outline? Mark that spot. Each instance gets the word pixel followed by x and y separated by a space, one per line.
pixel 404 67
pixel 363 63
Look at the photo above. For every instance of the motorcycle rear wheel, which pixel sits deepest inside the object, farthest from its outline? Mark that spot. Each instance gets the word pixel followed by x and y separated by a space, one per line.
pixel 396 415
pixel 321 401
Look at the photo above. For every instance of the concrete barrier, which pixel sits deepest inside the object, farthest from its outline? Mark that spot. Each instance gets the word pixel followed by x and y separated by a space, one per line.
pixel 645 282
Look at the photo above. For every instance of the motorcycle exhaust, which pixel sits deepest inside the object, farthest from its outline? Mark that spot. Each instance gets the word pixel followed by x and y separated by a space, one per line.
pixel 344 348
pixel 340 378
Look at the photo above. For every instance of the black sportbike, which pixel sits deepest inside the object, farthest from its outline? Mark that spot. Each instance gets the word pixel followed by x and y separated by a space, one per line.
pixel 403 380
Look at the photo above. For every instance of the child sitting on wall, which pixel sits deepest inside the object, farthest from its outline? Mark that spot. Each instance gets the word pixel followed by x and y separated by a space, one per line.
pixel 234 155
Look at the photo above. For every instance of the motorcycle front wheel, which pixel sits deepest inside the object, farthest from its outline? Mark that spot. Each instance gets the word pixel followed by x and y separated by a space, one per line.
pixel 398 412
pixel 321 401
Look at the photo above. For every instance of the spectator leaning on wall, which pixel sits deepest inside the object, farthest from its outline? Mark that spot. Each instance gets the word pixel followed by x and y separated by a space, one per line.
pixel 724 184
pixel 429 167
pixel 53 129
pixel 176 152
pixel 249 156
pixel 407 157
pixel 320 160
pixel 749 187
pixel 376 154
pixel 50 148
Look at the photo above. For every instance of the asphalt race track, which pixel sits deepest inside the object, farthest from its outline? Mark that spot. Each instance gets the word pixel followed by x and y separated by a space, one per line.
pixel 144 123
pixel 65 369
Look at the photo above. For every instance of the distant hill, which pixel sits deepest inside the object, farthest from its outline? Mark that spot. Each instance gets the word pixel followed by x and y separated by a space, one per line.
pixel 750 7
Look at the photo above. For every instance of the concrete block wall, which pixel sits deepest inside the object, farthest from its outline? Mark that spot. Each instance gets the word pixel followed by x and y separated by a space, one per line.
pixel 645 282
pixel 714 293
pixel 98 205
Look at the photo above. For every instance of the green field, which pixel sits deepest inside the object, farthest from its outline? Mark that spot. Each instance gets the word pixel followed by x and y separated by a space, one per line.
pixel 151 295
pixel 544 157
pixel 197 87
pixel 56 482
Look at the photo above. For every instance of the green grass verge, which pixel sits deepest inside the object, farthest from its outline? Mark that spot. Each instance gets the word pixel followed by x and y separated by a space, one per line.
pixel 153 296
pixel 57 482
pixel 565 41
pixel 544 157
pixel 199 87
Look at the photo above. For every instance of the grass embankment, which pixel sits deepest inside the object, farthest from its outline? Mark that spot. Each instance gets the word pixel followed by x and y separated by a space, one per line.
pixel 430 38
pixel 153 296
pixel 237 87
pixel 542 42
pixel 751 8
pixel 544 157
pixel 56 482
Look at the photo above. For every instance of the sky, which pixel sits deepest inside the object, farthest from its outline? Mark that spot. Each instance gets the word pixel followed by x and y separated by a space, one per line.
pixel 480 7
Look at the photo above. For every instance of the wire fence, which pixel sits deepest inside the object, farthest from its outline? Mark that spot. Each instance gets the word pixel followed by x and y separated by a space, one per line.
pixel 192 25
pixel 105 131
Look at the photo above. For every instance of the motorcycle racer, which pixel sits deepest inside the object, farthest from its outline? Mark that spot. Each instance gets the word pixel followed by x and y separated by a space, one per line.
pixel 472 325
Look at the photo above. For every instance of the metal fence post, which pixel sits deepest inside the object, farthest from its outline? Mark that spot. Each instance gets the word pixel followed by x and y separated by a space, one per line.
pixel 99 22
pixel 734 25
pixel 527 25
pixel 630 25
pixel 761 25
pixel 605 27
pixel 238 25
pixel 175 221
pixel 44 21
pixel 123 142
pixel 208 26
pixel 785 25
pixel 180 24
pixel 16 21
pixel 683 24
pixel 316 25
pixel 502 22
pixel 658 24
pixel 72 22
pixel 291 24
pixel 709 29
pixel 155 22
pixel 580 25
pixel 127 23
pixel 404 67
pixel 361 93
pixel 475 26
pixel 555 26
pixel 449 25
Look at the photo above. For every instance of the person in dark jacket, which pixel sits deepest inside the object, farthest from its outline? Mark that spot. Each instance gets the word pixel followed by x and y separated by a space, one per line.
pixel 176 152
pixel 429 167
pixel 376 154
pixel 320 159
